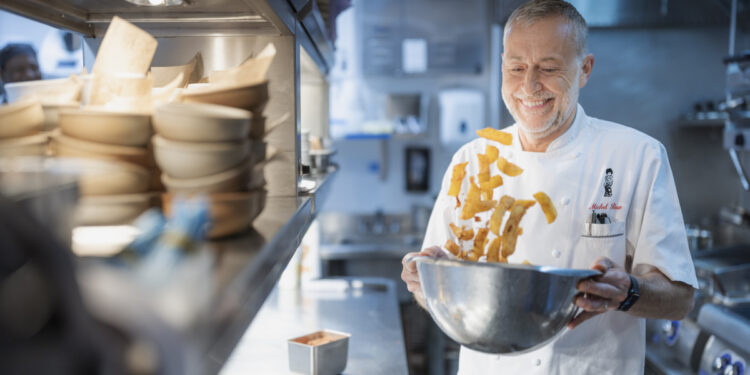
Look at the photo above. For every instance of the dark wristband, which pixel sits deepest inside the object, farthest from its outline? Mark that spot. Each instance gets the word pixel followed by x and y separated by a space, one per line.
pixel 633 294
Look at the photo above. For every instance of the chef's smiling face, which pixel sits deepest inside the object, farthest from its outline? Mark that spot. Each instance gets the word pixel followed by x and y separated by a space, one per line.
pixel 542 74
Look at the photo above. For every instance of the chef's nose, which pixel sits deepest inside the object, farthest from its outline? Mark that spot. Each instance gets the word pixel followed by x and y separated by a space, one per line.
pixel 531 81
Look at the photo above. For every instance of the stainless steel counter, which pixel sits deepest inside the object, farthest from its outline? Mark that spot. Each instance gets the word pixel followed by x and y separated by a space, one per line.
pixel 364 307
pixel 237 275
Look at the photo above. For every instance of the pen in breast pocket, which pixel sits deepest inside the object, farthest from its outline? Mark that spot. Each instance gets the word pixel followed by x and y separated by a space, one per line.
pixel 601 218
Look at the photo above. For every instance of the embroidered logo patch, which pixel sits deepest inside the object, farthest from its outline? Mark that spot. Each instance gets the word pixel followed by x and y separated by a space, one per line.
pixel 608 180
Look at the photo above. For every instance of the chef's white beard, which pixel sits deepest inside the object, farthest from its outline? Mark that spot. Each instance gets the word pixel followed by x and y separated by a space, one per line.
pixel 538 133
pixel 554 123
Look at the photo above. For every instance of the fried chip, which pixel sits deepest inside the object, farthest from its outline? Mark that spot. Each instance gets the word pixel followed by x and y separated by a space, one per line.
pixel 497 216
pixel 496 135
pixel 507 167
pixel 472 200
pixel 488 187
pixel 484 168
pixel 459 172
pixel 491 153
pixel 480 241
pixel 467 234
pixel 550 212
pixel 511 230
pixel 493 251
pixel 472 256
pixel 452 247
pixel 455 229
pixel 526 262
pixel 527 203
pixel 474 203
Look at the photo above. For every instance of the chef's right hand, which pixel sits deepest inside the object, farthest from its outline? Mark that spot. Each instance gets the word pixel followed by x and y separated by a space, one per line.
pixel 410 275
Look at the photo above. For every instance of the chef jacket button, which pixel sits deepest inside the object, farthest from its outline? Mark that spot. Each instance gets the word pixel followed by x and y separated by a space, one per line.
pixel 555 253
pixel 576 155
pixel 538 362
pixel 565 201
pixel 509 155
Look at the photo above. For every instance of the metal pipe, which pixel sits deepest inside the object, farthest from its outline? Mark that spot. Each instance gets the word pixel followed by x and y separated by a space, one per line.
pixel 740 169
pixel 732 27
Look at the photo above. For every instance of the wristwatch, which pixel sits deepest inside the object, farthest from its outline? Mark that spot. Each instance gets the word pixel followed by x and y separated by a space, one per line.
pixel 633 293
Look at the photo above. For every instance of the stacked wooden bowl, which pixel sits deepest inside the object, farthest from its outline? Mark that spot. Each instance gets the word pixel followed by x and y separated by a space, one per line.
pixel 206 149
pixel 121 192
pixel 22 129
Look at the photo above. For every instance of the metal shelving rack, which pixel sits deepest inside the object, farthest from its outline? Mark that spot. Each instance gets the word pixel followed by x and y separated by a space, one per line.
pixel 226 31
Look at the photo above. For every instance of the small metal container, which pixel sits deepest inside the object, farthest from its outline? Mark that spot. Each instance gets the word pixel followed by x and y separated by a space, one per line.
pixel 319 353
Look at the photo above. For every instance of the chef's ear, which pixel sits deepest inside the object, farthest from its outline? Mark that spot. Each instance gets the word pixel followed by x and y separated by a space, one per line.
pixel 587 64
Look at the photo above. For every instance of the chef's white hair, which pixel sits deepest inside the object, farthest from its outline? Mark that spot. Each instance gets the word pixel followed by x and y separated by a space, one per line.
pixel 535 10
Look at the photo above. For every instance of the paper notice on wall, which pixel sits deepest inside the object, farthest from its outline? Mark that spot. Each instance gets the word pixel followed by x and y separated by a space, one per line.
pixel 414 55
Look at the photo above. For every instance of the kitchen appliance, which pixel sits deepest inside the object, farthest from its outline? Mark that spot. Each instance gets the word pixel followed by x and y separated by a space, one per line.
pixel 497 307
pixel 728 349
pixel 711 339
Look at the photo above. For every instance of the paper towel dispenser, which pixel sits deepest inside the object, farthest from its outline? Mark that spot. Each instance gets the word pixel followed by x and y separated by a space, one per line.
pixel 462 112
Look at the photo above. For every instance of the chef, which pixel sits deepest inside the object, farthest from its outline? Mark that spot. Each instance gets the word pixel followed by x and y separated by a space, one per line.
pixel 615 196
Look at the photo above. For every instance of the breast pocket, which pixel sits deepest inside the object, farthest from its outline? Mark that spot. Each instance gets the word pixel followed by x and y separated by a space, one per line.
pixel 597 240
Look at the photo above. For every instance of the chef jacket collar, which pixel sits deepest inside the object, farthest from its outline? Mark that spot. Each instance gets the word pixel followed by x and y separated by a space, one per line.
pixel 563 139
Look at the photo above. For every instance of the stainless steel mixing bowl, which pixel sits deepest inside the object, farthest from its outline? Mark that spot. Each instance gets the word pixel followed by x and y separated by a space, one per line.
pixel 499 308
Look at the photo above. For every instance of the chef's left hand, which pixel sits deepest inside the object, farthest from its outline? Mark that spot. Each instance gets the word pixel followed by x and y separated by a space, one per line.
pixel 601 293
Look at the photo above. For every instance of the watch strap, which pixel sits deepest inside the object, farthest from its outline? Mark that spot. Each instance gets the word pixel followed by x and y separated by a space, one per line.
pixel 633 294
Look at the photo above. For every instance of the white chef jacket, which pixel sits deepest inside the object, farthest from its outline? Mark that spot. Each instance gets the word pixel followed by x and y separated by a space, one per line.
pixel 644 227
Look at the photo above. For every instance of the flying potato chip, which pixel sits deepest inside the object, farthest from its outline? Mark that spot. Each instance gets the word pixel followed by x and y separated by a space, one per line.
pixel 507 167
pixel 480 241
pixel 473 203
pixel 472 200
pixel 459 172
pixel 511 232
pixel 547 207
pixel 452 247
pixel 493 251
pixel 497 216
pixel 484 168
pixel 487 188
pixel 491 153
pixel 455 229
pixel 496 135
pixel 462 233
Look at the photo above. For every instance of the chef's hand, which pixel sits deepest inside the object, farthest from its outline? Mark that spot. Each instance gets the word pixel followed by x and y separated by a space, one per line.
pixel 410 275
pixel 601 293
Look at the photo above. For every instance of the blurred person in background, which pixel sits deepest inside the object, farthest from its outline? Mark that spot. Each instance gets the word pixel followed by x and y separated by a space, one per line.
pixel 18 63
